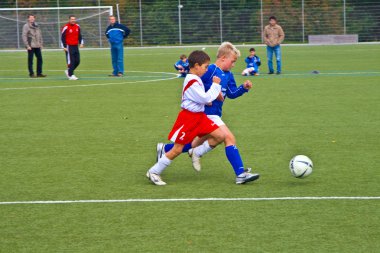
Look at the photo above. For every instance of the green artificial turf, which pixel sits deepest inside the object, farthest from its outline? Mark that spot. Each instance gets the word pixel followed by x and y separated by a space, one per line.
pixel 94 139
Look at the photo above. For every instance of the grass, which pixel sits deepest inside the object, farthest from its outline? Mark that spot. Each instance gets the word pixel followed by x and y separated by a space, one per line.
pixel 96 141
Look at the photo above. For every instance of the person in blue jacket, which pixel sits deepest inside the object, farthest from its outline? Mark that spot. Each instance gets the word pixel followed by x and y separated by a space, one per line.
pixel 182 66
pixel 116 33
pixel 253 64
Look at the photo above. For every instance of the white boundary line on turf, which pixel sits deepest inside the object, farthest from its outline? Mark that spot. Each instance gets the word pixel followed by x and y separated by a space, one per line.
pixel 187 200
pixel 94 84
pixel 200 46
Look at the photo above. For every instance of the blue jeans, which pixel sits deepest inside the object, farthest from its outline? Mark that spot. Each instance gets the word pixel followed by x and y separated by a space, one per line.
pixel 277 51
pixel 117 53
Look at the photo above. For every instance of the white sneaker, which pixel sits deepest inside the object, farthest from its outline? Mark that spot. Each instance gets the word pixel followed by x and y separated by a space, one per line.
pixel 67 73
pixel 73 78
pixel 160 150
pixel 196 160
pixel 155 179
pixel 246 177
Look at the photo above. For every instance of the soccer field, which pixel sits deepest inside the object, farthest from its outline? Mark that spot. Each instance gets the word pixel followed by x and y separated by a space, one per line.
pixel 94 139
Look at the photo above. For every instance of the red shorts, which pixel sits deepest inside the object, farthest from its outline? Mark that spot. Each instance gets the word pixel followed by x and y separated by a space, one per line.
pixel 190 125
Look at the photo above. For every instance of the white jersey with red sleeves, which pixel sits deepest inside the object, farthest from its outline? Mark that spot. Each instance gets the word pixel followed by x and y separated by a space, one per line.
pixel 194 96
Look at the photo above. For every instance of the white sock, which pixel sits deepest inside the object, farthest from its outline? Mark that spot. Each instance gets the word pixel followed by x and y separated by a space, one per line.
pixel 202 149
pixel 160 166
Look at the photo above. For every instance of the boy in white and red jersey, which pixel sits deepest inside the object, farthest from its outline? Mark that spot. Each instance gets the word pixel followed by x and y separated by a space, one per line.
pixel 191 121
pixel 71 37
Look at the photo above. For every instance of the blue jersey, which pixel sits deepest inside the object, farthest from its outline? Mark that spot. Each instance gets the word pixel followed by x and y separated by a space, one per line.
pixel 254 62
pixel 116 33
pixel 229 88
pixel 185 65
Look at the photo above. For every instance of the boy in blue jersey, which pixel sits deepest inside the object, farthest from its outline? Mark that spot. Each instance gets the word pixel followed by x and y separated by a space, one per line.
pixel 116 33
pixel 226 58
pixel 182 66
pixel 253 63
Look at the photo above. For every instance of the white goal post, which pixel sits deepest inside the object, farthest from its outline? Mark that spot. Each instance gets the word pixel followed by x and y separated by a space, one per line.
pixel 92 19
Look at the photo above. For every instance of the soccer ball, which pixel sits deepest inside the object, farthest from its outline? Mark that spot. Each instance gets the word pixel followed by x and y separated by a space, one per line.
pixel 301 166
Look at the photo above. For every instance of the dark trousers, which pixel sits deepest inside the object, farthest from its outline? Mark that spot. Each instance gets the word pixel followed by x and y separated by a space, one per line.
pixel 31 53
pixel 73 58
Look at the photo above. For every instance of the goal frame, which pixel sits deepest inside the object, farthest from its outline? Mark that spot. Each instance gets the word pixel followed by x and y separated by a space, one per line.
pixel 53 8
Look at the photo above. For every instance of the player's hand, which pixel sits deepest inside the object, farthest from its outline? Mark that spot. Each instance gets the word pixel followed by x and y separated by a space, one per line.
pixel 28 48
pixel 209 104
pixel 216 79
pixel 65 49
pixel 247 85
pixel 81 45
pixel 220 97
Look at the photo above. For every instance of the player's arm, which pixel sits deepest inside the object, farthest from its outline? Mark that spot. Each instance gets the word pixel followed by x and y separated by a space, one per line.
pixel 197 93
pixel 126 30
pixel 258 61
pixel 106 32
pixel 281 36
pixel 25 37
pixel 233 91
pixel 63 38
pixel 80 38
pixel 207 77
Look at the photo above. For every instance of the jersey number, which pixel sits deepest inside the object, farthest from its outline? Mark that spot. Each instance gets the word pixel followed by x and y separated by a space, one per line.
pixel 183 136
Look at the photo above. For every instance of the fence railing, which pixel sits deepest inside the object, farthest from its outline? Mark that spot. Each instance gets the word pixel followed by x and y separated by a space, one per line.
pixel 177 22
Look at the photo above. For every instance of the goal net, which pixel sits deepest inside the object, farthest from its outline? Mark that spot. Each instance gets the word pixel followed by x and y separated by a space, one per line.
pixel 92 19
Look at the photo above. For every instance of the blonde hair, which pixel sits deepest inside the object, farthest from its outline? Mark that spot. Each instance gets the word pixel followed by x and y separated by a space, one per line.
pixel 226 49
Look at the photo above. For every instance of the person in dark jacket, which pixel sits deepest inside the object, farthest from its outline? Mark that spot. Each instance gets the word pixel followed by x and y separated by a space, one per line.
pixel 116 33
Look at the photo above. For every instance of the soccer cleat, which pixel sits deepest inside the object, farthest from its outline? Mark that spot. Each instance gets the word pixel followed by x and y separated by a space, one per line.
pixel 32 76
pixel 246 177
pixel 73 78
pixel 155 179
pixel 270 73
pixel 67 73
pixel 196 160
pixel 160 150
pixel 41 75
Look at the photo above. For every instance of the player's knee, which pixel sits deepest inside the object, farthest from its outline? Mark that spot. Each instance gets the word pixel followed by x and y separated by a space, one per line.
pixel 219 136
pixel 230 139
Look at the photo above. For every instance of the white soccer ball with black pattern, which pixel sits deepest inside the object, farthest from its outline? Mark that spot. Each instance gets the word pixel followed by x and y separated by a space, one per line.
pixel 301 166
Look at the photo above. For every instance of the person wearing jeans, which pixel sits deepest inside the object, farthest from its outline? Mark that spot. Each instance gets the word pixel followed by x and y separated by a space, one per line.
pixel 32 38
pixel 273 37
pixel 116 33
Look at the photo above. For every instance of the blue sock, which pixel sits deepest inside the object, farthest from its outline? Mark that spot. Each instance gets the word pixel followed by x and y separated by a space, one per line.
pixel 169 146
pixel 233 156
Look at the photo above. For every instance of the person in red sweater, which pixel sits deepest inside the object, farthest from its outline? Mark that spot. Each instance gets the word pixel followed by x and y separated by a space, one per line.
pixel 71 37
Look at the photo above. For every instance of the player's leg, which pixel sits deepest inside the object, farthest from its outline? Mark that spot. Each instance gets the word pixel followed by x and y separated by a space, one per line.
pixel 270 62
pixel 233 155
pixel 277 51
pixel 71 59
pixel 77 62
pixel 30 62
pixel 154 173
pixel 120 58
pixel 39 61
pixel 114 59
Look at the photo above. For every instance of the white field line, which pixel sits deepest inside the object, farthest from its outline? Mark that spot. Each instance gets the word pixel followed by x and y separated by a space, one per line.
pixel 187 200
pixel 94 84
pixel 201 46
